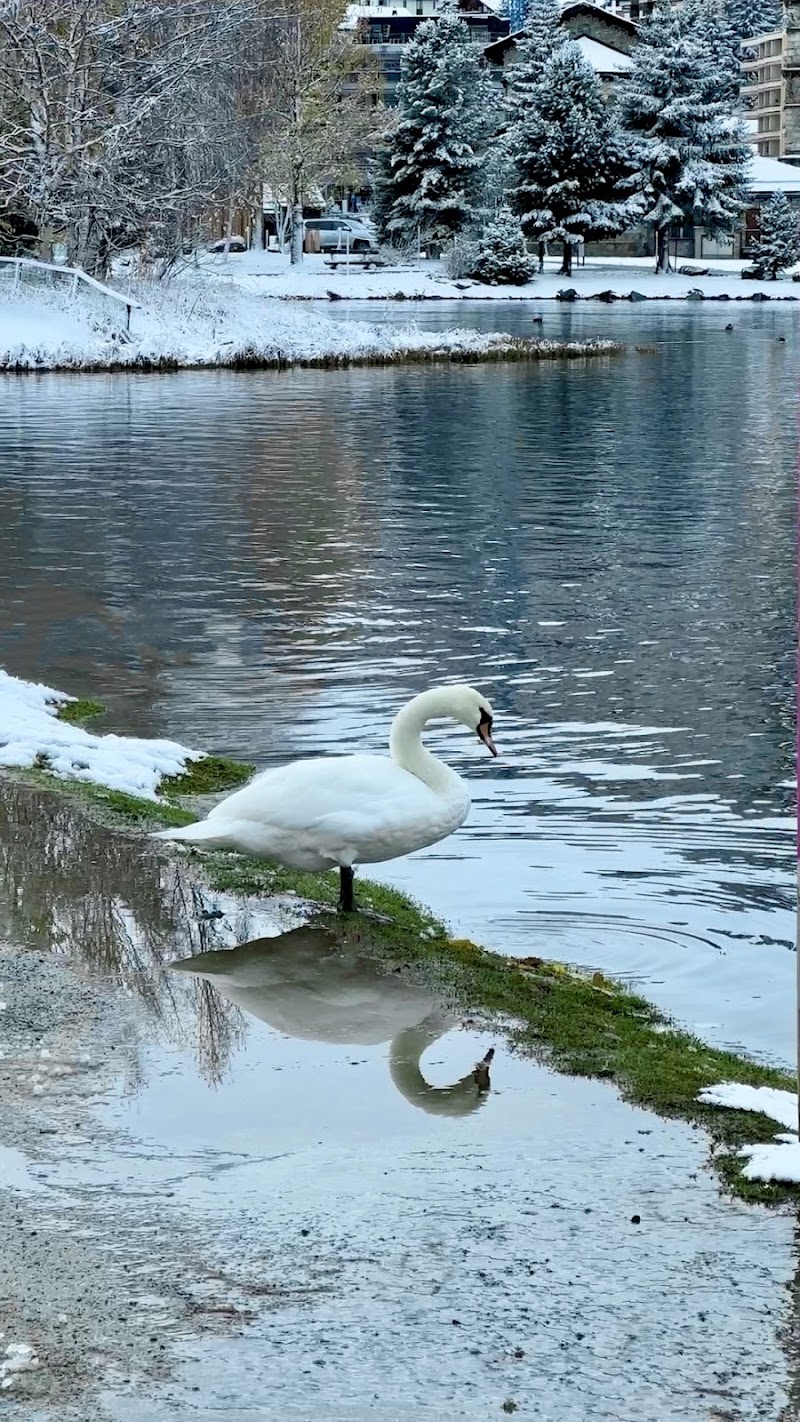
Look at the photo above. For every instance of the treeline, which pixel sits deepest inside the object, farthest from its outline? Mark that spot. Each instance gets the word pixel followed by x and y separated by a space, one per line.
pixel 552 160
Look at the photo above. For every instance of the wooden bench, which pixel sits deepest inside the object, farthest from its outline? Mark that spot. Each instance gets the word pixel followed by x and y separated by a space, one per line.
pixel 365 260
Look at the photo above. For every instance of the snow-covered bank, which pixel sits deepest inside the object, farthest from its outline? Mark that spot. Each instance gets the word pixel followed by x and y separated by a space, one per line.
pixel 270 274
pixel 31 734
pixel 777 1160
pixel 205 323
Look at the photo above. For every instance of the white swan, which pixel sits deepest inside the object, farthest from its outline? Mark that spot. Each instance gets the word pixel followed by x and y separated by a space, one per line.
pixel 354 809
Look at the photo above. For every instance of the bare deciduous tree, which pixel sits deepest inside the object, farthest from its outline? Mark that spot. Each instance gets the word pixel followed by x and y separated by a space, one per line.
pixel 318 102
pixel 114 114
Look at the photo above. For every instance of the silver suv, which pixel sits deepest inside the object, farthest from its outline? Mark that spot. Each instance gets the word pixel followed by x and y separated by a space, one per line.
pixel 334 232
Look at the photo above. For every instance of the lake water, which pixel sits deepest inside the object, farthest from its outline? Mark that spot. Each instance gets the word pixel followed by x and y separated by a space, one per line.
pixel 269 565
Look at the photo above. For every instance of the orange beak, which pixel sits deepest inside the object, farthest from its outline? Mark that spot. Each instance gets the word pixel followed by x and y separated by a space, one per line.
pixel 485 733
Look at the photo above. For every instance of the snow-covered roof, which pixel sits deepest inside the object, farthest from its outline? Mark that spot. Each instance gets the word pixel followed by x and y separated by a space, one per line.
pixel 607 13
pixel 769 175
pixel 602 58
pixel 355 13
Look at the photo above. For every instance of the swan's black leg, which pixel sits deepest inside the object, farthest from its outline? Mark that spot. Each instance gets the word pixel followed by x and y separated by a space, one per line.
pixel 346 904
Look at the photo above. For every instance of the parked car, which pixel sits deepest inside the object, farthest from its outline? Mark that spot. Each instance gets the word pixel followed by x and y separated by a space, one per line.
pixel 334 232
pixel 230 244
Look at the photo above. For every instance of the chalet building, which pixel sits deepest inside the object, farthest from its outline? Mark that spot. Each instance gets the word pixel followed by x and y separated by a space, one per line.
pixel 604 38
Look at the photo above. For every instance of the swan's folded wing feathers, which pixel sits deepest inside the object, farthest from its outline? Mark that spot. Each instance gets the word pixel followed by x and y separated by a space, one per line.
pixel 340 836
pixel 298 796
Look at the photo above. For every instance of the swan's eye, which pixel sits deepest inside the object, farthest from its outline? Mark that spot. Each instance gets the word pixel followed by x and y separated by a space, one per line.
pixel 485 720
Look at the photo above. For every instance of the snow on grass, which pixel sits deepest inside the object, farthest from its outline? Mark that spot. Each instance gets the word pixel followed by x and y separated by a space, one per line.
pixel 777 1160
pixel 210 323
pixel 781 1106
pixel 271 274
pixel 31 734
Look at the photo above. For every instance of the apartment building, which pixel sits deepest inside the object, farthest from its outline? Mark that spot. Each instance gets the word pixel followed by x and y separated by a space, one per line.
pixel 764 91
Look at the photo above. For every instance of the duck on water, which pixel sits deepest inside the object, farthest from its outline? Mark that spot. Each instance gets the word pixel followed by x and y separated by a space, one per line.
pixel 340 811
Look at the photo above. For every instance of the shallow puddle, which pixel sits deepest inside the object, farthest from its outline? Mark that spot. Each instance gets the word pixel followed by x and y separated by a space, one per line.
pixel 299 1201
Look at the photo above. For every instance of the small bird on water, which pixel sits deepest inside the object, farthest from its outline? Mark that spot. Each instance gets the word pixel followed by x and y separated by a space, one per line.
pixel 481 1072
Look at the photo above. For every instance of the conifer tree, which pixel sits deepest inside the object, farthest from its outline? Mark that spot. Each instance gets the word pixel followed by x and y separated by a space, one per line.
pixel 430 173
pixel 690 146
pixel 503 257
pixel 749 18
pixel 778 246
pixel 543 35
pixel 569 158
pixel 722 50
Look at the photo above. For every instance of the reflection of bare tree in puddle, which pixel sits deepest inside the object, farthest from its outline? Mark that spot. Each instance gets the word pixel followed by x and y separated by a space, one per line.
pixel 304 986
pixel 72 887
pixel 69 886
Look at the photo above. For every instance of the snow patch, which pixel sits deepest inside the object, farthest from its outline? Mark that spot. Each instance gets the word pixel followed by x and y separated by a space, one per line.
pixel 777 1160
pixel 30 733
pixel 780 1105
pixel 271 274
pixel 204 323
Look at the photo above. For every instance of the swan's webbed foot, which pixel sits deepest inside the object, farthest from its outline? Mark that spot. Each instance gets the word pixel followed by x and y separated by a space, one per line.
pixel 346 902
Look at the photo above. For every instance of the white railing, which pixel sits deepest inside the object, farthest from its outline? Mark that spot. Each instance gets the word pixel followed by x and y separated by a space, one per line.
pixel 25 271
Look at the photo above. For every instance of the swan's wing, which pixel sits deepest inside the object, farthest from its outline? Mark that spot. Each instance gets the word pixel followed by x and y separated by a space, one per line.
pixel 355 787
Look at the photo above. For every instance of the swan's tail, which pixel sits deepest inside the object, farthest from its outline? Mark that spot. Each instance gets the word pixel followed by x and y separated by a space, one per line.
pixel 202 832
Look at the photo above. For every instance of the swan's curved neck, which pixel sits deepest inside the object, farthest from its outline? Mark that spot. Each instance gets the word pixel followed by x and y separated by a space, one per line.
pixel 460 1099
pixel 407 748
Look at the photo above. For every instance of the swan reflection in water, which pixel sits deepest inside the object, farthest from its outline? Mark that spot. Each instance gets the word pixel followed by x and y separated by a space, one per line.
pixel 303 985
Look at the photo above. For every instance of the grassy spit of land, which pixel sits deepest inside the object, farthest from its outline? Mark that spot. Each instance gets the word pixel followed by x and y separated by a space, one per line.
pixel 491 351
pixel 578 1022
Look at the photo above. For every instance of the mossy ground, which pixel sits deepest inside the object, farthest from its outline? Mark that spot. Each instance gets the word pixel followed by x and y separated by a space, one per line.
pixel 209 776
pixel 77 713
pixel 578 1023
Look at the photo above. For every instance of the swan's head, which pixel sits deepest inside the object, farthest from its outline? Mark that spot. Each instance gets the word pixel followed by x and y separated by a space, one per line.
pixel 469 706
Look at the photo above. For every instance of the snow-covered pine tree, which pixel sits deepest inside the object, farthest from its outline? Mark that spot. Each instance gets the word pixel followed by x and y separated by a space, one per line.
pixel 754 17
pixel 689 141
pixel 543 35
pixel 778 246
pixel 431 173
pixel 711 27
pixel 503 258
pixel 569 158
pixel 514 11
